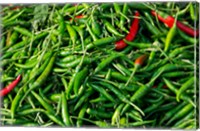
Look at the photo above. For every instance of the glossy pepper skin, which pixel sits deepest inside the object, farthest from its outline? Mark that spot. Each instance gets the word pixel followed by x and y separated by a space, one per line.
pixel 134 28
pixel 119 45
pixel 169 21
pixel 12 85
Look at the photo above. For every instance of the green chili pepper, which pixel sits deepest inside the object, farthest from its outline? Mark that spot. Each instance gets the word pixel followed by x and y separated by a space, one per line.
pixel 40 35
pixel 55 119
pixel 186 85
pixel 171 112
pixel 102 91
pixel 187 38
pixel 116 114
pixel 176 74
pixel 185 110
pixel 73 34
pixel 133 116
pixel 79 78
pixel 83 98
pixel 55 97
pixel 184 124
pixel 112 29
pixel 139 5
pixel 124 12
pixel 17 22
pixel 81 115
pixel 190 115
pixel 100 42
pixel 101 98
pixel 165 68
pixel 96 28
pixel 131 88
pixel 120 77
pixel 68 58
pixel 73 76
pixel 153 106
pixel 101 124
pixel 117 8
pixel 26 66
pixel 154 30
pixel 13 38
pixel 40 80
pixel 30 111
pixel 19 121
pixel 108 105
pixel 137 95
pixel 74 63
pixel 121 96
pixel 61 24
pixel 105 62
pixel 71 83
pixel 140 123
pixel 38 70
pixel 81 32
pixel 178 51
pixel 108 75
pixel 43 102
pixel 47 88
pixel 18 45
pixel 9 14
pixel 14 17
pixel 193 14
pixel 65 112
pixel 94 37
pixel 170 36
pixel 99 113
pixel 136 113
pixel 71 10
pixel 23 31
pixel 70 86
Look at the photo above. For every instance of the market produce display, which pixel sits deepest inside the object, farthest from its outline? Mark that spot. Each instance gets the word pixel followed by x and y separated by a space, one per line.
pixel 106 65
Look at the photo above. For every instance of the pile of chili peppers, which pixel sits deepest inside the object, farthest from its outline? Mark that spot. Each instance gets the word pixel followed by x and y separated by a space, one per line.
pixel 107 65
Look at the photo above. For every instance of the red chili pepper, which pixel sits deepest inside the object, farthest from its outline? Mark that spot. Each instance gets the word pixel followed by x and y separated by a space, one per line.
pixel 78 17
pixel 155 86
pixel 137 64
pixel 119 45
pixel 169 21
pixel 187 29
pixel 13 7
pixel 140 60
pixel 12 85
pixel 16 7
pixel 165 86
pixel 134 28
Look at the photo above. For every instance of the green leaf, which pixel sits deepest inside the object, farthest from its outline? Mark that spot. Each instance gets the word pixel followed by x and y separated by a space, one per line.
pixel 40 15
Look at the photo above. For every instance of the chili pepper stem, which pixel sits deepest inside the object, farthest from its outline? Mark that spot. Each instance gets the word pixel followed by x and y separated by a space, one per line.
pixel 132 74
